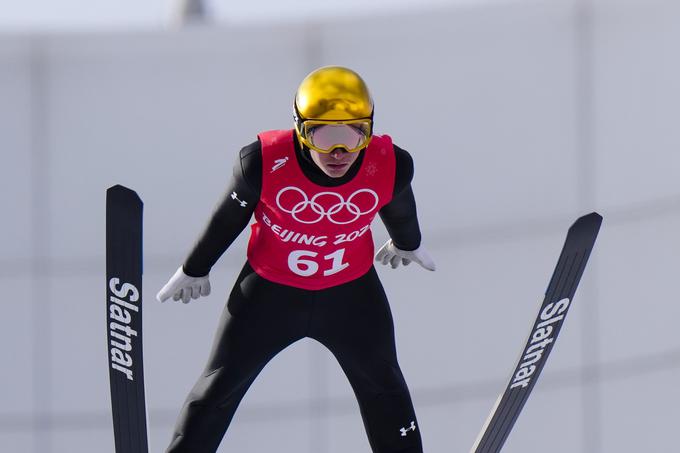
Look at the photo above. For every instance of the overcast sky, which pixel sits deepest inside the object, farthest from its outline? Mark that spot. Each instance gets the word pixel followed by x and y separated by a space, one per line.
pixel 27 15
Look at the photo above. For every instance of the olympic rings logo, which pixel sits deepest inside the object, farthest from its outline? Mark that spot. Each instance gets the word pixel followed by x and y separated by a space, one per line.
pixel 319 212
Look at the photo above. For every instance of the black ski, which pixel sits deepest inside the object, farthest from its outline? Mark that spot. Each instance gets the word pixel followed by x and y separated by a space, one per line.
pixel 570 266
pixel 124 318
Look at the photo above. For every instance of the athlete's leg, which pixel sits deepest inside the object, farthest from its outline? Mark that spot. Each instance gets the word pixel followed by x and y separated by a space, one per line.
pixel 355 323
pixel 260 319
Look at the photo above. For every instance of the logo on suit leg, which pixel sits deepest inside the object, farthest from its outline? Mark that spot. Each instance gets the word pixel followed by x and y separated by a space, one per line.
pixel 410 428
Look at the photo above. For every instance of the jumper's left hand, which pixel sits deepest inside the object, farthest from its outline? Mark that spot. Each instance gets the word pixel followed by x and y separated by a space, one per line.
pixel 389 253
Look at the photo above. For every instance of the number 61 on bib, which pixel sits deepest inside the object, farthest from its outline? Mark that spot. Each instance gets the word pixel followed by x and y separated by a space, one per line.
pixel 300 263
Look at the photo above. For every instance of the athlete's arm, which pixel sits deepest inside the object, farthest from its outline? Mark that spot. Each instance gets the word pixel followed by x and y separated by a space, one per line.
pixel 232 214
pixel 401 220
pixel 230 217
pixel 399 215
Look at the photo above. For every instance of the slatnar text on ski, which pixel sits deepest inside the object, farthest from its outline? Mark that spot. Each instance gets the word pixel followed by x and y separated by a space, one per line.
pixel 120 316
pixel 541 337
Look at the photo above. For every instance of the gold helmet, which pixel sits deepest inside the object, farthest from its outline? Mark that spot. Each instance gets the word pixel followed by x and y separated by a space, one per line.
pixel 333 109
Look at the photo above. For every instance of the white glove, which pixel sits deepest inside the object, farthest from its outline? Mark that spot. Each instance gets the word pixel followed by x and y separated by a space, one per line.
pixel 182 286
pixel 389 253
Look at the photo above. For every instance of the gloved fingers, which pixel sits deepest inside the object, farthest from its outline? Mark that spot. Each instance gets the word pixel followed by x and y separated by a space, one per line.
pixel 387 257
pixel 163 295
pixel 381 253
pixel 429 264
pixel 405 261
pixel 424 260
pixel 394 262
pixel 173 287
pixel 166 291
pixel 384 250
pixel 186 295
pixel 195 291
pixel 205 288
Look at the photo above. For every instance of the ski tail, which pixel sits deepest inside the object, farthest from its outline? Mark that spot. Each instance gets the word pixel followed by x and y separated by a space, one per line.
pixel 124 318
pixel 559 294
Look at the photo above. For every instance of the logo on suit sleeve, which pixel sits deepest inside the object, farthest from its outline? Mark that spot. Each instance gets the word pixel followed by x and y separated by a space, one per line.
pixel 234 196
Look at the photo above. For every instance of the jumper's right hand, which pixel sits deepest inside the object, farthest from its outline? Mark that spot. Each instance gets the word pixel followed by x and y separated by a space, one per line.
pixel 182 286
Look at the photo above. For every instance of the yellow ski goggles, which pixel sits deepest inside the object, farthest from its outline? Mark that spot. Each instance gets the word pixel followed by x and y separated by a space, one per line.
pixel 324 136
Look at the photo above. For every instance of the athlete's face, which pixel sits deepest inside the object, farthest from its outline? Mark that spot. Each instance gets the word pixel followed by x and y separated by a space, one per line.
pixel 336 163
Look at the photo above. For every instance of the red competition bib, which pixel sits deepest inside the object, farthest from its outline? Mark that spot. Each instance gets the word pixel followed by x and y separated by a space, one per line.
pixel 311 236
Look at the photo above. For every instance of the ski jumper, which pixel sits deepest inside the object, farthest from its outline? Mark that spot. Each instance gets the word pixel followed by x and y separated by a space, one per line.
pixel 309 274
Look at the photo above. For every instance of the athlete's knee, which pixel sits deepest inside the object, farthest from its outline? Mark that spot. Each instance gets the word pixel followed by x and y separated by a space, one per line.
pixel 384 378
pixel 216 388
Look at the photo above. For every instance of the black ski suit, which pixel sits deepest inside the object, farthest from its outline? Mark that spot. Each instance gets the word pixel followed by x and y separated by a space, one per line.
pixel 261 318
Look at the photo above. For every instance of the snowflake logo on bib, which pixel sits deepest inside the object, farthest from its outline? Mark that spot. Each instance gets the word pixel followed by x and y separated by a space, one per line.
pixel 371 169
